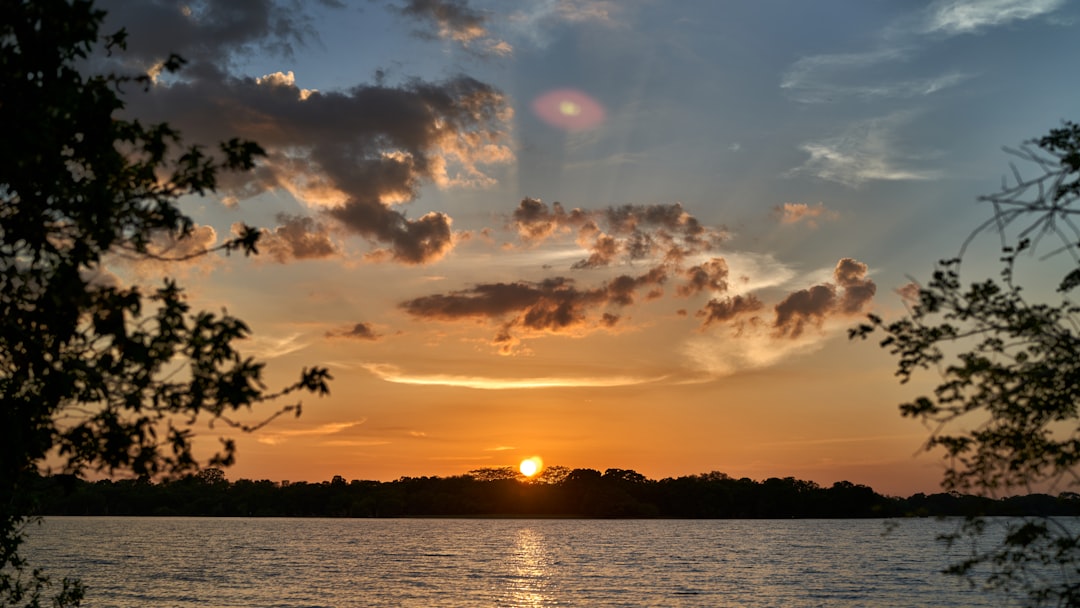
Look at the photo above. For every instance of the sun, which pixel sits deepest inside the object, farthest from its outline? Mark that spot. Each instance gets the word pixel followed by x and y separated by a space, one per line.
pixel 531 466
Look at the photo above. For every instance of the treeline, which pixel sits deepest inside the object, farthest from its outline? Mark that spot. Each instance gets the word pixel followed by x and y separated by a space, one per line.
pixel 502 492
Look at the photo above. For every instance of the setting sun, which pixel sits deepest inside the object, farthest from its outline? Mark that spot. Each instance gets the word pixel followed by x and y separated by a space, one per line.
pixel 531 466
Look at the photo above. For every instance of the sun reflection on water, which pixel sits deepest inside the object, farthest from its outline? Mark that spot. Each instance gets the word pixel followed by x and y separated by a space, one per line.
pixel 530 582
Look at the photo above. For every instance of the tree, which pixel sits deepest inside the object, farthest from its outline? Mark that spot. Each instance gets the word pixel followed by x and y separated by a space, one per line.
pixel 1005 412
pixel 94 375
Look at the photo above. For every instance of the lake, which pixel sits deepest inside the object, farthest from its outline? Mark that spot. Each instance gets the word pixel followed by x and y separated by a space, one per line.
pixel 127 562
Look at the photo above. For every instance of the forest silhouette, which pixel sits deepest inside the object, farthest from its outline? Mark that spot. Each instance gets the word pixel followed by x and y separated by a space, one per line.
pixel 500 492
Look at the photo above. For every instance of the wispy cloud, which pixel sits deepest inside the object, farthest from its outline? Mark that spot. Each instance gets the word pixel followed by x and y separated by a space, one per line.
pixel 970 16
pixel 330 428
pixel 265 346
pixel 843 440
pixel 865 151
pixel 393 373
pixel 830 78
pixel 535 23
pixel 834 77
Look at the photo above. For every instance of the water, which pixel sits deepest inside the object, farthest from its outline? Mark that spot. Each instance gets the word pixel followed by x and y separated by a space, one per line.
pixel 128 562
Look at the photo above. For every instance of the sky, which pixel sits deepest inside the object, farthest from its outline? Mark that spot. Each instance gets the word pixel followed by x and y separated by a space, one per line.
pixel 626 234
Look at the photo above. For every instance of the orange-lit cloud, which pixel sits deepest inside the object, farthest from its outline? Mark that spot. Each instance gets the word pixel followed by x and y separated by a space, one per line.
pixel 266 346
pixel 170 255
pixel 794 213
pixel 909 291
pixel 393 373
pixel 354 155
pixel 299 238
pixel 455 20
pixel 330 428
pixel 627 232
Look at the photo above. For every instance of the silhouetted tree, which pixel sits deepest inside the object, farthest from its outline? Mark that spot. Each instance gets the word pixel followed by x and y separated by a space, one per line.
pixel 1005 412
pixel 495 473
pixel 108 378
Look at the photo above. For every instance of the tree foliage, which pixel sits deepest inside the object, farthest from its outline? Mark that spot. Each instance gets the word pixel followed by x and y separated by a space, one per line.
pixel 96 375
pixel 1005 412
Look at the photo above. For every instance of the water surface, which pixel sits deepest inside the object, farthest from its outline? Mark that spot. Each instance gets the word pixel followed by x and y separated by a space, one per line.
pixel 128 562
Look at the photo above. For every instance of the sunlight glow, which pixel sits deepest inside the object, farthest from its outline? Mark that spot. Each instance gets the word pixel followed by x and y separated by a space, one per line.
pixel 531 466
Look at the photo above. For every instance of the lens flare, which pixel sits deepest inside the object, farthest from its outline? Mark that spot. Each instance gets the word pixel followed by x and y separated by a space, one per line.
pixel 569 109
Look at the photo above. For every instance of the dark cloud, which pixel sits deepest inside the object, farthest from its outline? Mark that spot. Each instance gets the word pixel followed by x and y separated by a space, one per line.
pixel 711 275
pixel 603 251
pixel 726 309
pixel 357 153
pixel 535 221
pixel 858 290
pixel 524 308
pixel 213 31
pixel 360 331
pixel 299 238
pixel 802 307
pixel 453 20
pixel 812 306
pixel 630 232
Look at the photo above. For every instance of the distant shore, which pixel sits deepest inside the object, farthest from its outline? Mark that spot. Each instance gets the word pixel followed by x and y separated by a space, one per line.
pixel 579 493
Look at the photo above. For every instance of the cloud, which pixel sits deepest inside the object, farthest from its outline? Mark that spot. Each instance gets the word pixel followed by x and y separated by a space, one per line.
pixel 711 275
pixel 803 307
pixel 455 20
pixel 794 213
pixel 298 238
pixel 171 255
pixel 662 232
pixel 858 289
pixel 864 152
pixel 755 343
pixel 211 32
pixel 843 76
pixel 359 331
pixel 354 154
pixel 536 22
pixel 330 428
pixel 393 373
pixel 750 350
pixel 810 307
pixel 724 310
pixel 969 16
pixel 909 291
pixel 264 346
pixel 570 11
pixel 554 306
pixel 837 77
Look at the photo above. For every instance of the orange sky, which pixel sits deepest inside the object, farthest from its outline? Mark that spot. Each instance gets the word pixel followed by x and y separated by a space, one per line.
pixel 736 188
